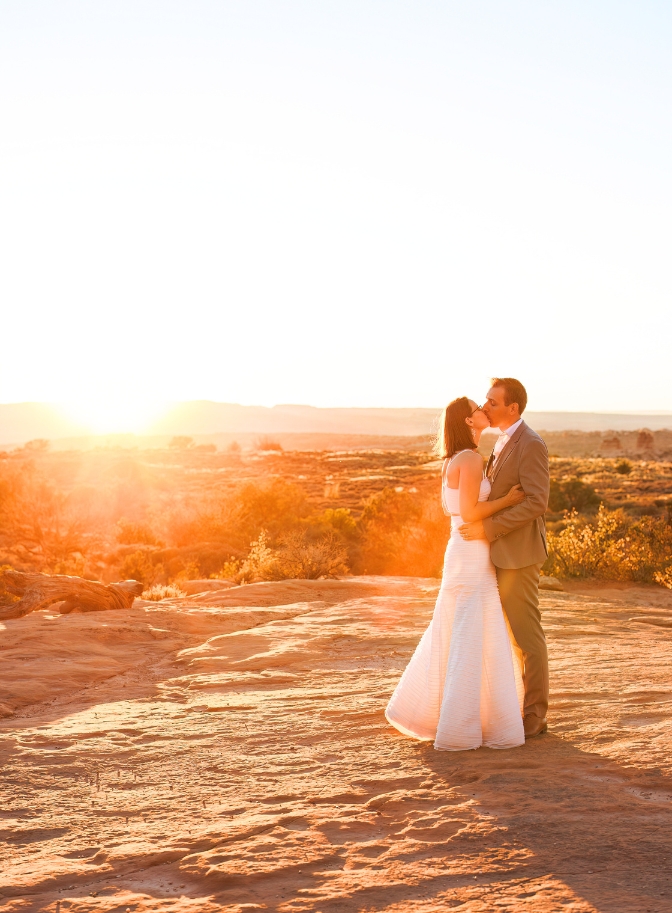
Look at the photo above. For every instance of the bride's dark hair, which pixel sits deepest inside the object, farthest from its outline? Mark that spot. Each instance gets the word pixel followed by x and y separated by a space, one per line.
pixel 454 433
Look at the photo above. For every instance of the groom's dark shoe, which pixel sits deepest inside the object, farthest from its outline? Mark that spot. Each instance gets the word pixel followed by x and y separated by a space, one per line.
pixel 533 725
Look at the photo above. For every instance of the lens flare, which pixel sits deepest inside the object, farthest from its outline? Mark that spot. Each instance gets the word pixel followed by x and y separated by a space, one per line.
pixel 115 415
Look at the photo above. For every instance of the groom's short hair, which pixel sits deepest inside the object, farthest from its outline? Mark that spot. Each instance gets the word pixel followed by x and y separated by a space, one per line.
pixel 514 391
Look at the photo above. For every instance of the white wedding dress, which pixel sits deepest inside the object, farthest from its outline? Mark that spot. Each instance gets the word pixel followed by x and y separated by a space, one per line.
pixel 463 687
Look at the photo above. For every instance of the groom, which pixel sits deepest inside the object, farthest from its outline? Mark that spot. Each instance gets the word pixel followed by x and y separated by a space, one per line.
pixel 517 537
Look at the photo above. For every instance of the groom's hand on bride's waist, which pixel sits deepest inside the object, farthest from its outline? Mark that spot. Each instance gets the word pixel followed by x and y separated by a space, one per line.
pixel 473 530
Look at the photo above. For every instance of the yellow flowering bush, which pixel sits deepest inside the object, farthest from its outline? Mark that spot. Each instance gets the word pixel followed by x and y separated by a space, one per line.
pixel 612 546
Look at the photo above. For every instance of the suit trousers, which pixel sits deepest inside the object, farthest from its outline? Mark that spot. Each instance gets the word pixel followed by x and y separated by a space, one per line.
pixel 519 592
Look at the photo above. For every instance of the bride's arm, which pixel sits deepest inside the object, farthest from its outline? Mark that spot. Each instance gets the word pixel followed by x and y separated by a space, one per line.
pixel 471 476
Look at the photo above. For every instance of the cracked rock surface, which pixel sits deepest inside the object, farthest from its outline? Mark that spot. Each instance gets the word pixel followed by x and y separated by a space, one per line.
pixel 227 751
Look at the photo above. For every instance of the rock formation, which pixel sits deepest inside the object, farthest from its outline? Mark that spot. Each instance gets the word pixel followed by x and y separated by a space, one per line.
pixel 38 591
pixel 645 440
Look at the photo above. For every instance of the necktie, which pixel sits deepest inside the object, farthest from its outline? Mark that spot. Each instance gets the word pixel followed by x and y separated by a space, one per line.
pixel 501 443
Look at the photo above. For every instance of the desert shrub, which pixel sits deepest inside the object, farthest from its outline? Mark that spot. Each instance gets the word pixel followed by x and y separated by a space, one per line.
pixel 334 524
pixel 572 495
pixel 624 467
pixel 234 447
pixel 235 519
pixel 74 566
pixel 664 578
pixel 642 510
pixel 206 448
pixel 199 560
pixel 42 527
pixel 162 591
pixel 181 442
pixel 190 571
pixel 228 571
pixel 129 533
pixel 584 548
pixel 611 546
pixel 208 519
pixel 39 444
pixel 205 520
pixel 335 520
pixel 402 533
pixel 276 507
pixel 385 517
pixel 300 556
pixel 267 443
pixel 649 549
pixel 142 566
pixel 260 564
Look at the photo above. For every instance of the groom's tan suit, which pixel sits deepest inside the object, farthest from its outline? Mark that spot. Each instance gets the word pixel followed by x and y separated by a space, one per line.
pixel 517 537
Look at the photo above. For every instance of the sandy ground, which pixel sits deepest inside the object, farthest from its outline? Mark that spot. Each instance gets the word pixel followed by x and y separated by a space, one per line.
pixel 228 751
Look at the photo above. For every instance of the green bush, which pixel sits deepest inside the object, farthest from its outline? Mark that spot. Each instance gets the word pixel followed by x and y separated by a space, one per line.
pixel 339 520
pixel 572 495
pixel 141 566
pixel 299 556
pixel 129 533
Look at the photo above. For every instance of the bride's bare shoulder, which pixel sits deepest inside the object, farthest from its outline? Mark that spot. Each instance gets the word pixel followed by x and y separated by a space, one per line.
pixel 470 461
pixel 469 456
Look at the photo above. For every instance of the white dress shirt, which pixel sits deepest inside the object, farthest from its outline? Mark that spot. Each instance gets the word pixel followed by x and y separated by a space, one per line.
pixel 504 439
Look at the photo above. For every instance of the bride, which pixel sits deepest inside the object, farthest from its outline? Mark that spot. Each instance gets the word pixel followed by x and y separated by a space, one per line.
pixel 463 686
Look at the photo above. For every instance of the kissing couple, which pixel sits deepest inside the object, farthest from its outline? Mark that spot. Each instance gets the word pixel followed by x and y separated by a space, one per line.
pixel 479 675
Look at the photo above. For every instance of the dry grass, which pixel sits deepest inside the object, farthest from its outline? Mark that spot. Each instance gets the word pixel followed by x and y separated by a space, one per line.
pixel 158 592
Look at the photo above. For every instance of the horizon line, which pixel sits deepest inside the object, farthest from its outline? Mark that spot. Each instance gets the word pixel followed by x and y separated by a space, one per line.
pixel 169 403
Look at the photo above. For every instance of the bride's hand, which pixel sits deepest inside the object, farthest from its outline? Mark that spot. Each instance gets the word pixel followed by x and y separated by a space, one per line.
pixel 514 496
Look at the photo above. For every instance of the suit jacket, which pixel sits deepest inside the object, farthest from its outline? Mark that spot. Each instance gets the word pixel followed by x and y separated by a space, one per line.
pixel 517 535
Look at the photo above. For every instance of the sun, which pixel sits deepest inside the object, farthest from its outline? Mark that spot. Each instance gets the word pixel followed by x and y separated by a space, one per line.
pixel 105 414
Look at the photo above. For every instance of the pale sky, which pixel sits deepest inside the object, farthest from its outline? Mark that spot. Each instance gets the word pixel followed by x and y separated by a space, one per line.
pixel 335 203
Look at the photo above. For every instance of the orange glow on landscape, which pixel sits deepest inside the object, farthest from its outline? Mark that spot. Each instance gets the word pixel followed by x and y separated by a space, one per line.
pixel 250 253
pixel 107 415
